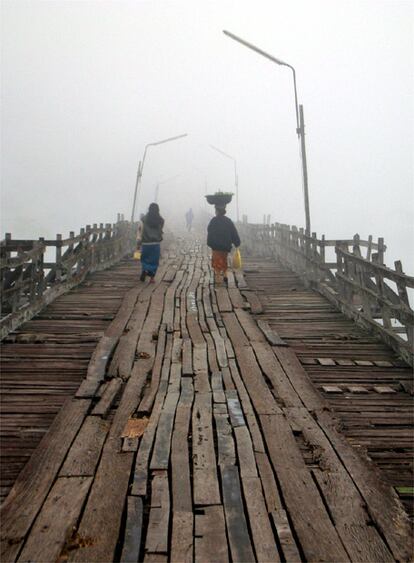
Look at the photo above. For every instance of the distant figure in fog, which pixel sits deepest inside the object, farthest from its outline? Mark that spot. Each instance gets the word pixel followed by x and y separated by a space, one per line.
pixel 189 216
pixel 149 239
pixel 221 235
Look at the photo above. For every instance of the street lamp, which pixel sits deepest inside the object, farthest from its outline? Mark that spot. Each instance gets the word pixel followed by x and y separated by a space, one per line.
pixel 236 178
pixel 141 168
pixel 300 123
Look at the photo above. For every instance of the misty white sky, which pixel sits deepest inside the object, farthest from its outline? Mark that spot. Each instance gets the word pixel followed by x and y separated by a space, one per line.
pixel 86 85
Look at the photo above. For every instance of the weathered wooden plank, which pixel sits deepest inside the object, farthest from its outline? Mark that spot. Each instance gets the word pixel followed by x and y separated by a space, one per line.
pixel 249 326
pixel 225 443
pixel 161 454
pixel 383 389
pixel 326 361
pixel 56 520
pixel 236 298
pixel 318 538
pixel 139 486
pixel 159 517
pixel 116 328
pixel 33 484
pixel 205 482
pixel 285 535
pixel 263 539
pixel 87 389
pixel 128 343
pixel 254 302
pixel 382 502
pixel 133 530
pixel 223 300
pixel 299 379
pixel 234 407
pixel 271 493
pixel 84 453
pixel 257 389
pixel 211 354
pixel 283 389
pixel 182 539
pixel 106 501
pixel 210 535
pixel 100 357
pixel 180 461
pixel 235 331
pixel 239 539
pixel 362 542
pixel 108 397
pixel 241 282
pixel 331 389
pixel 176 350
pixel 245 454
pixel 151 391
pixel 187 357
pixel 155 558
pixel 183 518
pixel 271 335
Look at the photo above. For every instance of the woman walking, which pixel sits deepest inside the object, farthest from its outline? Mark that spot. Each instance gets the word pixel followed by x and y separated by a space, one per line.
pixel 150 239
pixel 222 234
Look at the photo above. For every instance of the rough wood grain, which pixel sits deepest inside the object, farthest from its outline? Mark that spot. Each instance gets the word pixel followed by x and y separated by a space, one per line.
pixel 34 482
pixel 133 530
pixel 210 535
pixel 84 453
pixel 55 522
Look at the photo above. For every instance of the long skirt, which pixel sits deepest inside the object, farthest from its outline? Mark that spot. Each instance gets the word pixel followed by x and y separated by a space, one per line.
pixel 219 261
pixel 150 258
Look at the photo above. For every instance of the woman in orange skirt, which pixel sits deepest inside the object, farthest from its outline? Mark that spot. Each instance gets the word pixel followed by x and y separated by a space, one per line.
pixel 221 235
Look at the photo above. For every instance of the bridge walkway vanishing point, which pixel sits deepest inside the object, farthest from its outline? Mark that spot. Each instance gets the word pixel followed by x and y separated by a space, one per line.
pixel 190 437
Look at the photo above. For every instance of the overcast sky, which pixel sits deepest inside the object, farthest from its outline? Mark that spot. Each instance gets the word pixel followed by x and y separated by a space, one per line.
pixel 86 85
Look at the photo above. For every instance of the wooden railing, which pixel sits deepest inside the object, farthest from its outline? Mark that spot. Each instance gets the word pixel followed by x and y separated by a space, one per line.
pixel 355 280
pixel 29 281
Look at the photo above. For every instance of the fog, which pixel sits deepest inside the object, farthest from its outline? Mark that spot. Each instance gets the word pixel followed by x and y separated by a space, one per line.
pixel 86 85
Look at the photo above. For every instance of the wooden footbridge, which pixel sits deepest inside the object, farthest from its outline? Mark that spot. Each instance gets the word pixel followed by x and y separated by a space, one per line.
pixel 266 420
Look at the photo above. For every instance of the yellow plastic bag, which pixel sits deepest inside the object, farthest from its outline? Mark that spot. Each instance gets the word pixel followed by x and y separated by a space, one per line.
pixel 237 261
pixel 137 255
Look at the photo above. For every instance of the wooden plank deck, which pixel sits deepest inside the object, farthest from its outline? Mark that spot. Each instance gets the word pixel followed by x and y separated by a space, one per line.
pixel 45 360
pixel 198 440
pixel 367 386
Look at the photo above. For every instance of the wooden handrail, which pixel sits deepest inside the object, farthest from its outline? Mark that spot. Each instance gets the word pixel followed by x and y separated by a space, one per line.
pixel 354 283
pixel 29 283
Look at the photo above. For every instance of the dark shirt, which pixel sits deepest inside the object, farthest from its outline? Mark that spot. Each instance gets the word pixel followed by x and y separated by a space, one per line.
pixel 152 233
pixel 222 233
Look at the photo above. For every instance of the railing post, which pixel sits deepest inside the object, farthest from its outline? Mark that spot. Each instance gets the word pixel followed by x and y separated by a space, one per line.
pixel 107 241
pixel 7 239
pixel 381 251
pixel 81 246
pixel 376 259
pixel 58 260
pixel 356 249
pixel 402 292
pixel 41 284
pixel 369 248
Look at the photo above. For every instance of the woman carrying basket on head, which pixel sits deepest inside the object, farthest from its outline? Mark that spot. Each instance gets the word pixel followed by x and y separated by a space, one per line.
pixel 221 235
pixel 150 242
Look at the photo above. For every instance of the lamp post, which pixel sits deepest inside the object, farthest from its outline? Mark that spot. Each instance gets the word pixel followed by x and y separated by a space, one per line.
pixel 300 123
pixel 236 178
pixel 141 168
